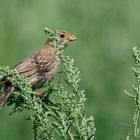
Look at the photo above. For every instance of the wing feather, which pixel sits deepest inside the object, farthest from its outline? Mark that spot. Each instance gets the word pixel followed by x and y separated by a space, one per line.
pixel 40 66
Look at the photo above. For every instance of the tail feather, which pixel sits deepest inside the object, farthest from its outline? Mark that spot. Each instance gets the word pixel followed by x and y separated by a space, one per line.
pixel 5 95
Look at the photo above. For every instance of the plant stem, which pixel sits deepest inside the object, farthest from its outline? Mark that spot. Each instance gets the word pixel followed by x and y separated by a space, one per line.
pixel 136 124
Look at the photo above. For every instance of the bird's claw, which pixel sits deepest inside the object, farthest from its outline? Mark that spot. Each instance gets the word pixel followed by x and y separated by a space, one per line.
pixel 37 94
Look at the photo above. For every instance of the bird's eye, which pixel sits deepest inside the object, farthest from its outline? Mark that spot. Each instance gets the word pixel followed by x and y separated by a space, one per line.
pixel 62 35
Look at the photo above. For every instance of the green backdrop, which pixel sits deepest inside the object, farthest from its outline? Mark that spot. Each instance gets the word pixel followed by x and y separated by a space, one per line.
pixel 106 32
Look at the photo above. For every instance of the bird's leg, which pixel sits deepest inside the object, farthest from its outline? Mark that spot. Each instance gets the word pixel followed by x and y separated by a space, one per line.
pixel 38 94
pixel 61 71
pixel 60 75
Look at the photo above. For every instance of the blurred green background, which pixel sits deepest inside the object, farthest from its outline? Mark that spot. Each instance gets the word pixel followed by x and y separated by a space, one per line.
pixel 106 31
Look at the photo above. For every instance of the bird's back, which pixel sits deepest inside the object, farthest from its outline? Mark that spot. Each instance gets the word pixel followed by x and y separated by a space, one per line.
pixel 40 67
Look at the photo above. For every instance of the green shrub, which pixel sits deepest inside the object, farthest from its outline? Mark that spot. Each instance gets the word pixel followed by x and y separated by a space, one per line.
pixel 60 114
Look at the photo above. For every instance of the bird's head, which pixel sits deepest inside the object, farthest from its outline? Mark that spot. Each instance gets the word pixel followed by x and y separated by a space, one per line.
pixel 60 38
pixel 63 38
pixel 66 36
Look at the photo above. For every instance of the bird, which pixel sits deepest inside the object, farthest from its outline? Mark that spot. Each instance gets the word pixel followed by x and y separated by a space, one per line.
pixel 41 66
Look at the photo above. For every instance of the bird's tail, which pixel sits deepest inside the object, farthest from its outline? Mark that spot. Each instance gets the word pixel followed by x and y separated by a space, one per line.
pixel 5 95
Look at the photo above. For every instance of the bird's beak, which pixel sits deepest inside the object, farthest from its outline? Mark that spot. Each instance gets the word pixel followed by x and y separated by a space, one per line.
pixel 71 38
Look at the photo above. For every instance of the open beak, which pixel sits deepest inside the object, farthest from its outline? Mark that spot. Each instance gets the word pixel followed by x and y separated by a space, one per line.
pixel 71 38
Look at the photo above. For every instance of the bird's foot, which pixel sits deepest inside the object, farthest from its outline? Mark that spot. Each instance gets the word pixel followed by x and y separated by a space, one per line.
pixel 37 94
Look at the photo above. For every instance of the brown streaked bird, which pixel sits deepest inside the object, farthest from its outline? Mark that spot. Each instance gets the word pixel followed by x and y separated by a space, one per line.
pixel 41 66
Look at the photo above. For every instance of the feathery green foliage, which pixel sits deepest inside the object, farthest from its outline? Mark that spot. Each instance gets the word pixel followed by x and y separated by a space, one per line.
pixel 60 114
pixel 135 134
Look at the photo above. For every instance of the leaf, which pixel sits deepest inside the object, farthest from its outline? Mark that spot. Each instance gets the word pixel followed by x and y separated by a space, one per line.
pixel 130 94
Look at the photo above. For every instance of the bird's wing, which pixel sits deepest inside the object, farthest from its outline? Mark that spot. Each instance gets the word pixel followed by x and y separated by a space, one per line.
pixel 38 63
pixel 26 67
pixel 45 61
